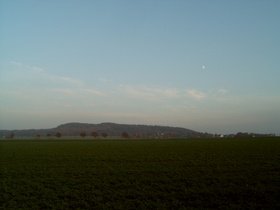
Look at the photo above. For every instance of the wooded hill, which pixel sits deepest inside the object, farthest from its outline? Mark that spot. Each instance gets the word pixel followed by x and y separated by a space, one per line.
pixel 111 129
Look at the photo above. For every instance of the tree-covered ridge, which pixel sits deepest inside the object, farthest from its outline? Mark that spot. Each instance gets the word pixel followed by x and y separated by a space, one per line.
pixel 111 129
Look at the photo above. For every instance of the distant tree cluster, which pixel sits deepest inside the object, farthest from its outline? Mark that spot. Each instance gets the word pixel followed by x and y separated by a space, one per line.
pixel 11 135
pixel 242 135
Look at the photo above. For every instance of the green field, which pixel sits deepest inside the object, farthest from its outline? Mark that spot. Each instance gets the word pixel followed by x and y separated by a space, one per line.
pixel 140 174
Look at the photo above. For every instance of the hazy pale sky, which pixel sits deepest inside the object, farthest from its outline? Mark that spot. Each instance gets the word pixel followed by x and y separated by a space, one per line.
pixel 210 66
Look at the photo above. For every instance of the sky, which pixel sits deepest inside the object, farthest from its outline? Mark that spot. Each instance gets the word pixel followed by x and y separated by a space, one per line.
pixel 209 66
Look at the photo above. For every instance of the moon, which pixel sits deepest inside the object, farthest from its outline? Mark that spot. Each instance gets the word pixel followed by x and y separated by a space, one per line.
pixel 203 67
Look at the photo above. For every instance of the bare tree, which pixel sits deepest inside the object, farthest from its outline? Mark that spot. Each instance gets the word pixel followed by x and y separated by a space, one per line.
pixel 94 134
pixel 83 134
pixel 58 134
pixel 125 135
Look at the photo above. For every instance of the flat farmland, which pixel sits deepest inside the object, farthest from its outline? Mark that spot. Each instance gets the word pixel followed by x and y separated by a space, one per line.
pixel 140 174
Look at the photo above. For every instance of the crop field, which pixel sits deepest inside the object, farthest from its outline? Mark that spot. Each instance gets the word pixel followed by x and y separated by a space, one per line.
pixel 140 174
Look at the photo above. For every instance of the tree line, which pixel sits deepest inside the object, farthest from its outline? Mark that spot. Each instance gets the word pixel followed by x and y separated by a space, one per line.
pixel 82 134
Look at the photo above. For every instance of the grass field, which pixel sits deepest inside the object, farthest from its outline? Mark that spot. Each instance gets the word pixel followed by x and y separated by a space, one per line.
pixel 140 174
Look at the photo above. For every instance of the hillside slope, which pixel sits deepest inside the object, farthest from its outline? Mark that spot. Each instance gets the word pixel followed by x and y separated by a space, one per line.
pixel 112 129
